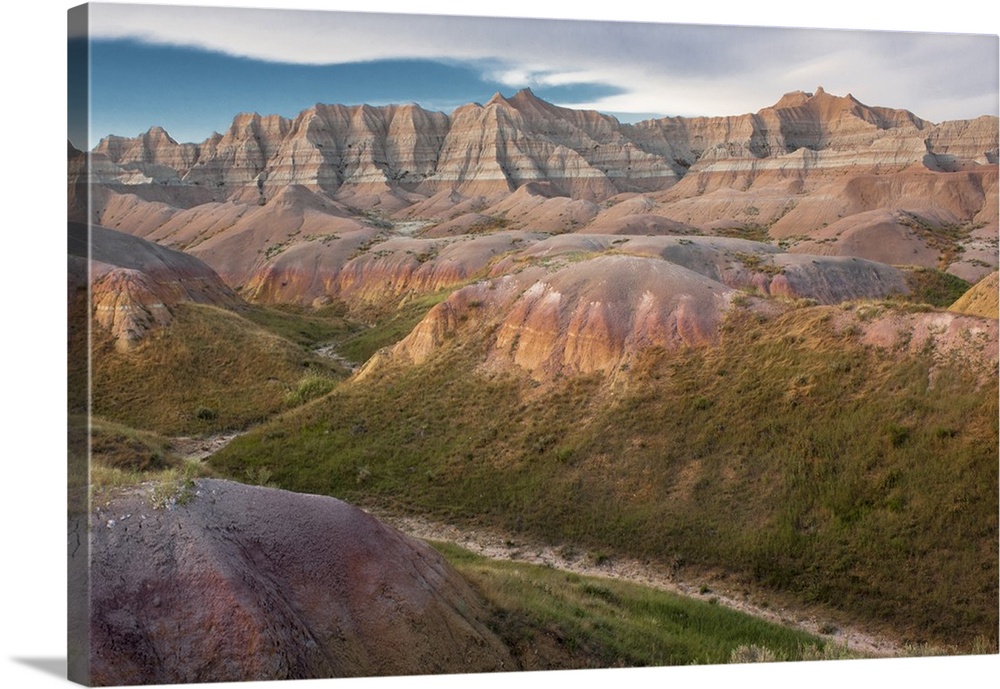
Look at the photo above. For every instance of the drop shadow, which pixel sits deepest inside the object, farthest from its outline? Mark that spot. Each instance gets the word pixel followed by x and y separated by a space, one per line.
pixel 50 666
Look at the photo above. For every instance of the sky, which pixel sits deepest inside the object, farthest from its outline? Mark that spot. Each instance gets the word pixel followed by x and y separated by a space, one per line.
pixel 191 69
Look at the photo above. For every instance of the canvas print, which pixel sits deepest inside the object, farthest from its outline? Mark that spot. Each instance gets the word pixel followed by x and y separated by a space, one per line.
pixel 411 344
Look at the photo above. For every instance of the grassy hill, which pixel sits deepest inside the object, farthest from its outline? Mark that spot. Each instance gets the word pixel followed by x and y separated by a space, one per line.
pixel 211 370
pixel 551 619
pixel 982 299
pixel 790 455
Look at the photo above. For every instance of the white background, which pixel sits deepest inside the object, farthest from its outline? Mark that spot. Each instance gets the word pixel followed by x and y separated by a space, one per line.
pixel 32 293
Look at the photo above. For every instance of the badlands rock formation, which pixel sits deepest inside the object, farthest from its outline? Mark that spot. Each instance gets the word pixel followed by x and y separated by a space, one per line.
pixel 135 284
pixel 823 174
pixel 586 303
pixel 982 299
pixel 77 182
pixel 236 582
pixel 574 237
pixel 494 148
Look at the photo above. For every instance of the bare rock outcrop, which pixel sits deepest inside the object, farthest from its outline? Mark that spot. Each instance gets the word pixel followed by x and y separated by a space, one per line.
pixel 384 155
pixel 735 263
pixel 282 205
pixel 234 582
pixel 135 283
pixel 960 144
pixel 587 316
pixel 380 269
pixel 582 303
pixel 981 299
pixel 592 316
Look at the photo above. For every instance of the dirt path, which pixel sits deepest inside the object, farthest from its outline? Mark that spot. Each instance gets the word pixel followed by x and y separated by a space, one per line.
pixel 329 351
pixel 504 547
pixel 202 448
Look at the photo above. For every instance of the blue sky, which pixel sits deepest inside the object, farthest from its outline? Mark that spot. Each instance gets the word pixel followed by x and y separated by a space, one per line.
pixel 190 69
pixel 136 84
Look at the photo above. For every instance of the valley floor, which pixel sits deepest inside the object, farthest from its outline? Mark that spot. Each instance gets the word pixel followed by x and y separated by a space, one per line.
pixel 703 585
pixel 700 585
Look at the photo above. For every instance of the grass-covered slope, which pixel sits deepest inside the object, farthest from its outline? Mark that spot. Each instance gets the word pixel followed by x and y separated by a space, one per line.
pixel 552 619
pixel 790 454
pixel 212 369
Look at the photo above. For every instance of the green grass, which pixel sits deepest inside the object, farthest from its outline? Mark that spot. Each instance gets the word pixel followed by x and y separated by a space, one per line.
pixel 116 446
pixel 210 370
pixel 123 457
pixel 552 619
pixel 306 327
pixel 213 369
pixel 389 328
pixel 789 455
pixel 934 287
pixel 309 388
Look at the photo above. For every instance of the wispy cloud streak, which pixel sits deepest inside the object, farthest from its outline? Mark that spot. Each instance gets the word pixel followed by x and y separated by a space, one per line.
pixel 648 67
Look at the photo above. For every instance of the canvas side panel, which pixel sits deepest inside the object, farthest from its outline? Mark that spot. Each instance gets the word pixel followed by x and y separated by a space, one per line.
pixel 78 346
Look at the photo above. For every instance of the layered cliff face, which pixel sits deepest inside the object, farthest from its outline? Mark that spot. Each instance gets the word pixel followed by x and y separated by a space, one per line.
pixel 823 174
pixel 135 284
pixel 580 303
pixel 375 154
pixel 954 145
pixel 495 148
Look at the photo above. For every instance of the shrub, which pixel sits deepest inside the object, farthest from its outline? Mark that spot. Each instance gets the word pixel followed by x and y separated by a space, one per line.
pixel 206 414
pixel 898 434
pixel 178 490
pixel 309 388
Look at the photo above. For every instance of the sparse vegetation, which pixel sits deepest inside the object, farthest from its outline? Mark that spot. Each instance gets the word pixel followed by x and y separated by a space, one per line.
pixel 175 490
pixel 273 250
pixel 751 231
pixel 211 370
pixel 125 457
pixel 757 264
pixel 324 238
pixel 792 470
pixel 376 219
pixel 946 238
pixel 934 287
pixel 553 619
pixel 492 223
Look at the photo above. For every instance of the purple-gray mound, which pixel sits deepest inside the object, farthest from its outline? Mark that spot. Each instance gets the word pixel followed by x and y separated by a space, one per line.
pixel 249 583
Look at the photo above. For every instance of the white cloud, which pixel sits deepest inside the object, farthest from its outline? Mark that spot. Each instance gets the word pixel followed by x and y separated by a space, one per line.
pixel 658 67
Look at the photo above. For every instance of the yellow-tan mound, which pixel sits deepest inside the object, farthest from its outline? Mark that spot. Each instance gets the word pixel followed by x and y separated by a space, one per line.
pixel 981 299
